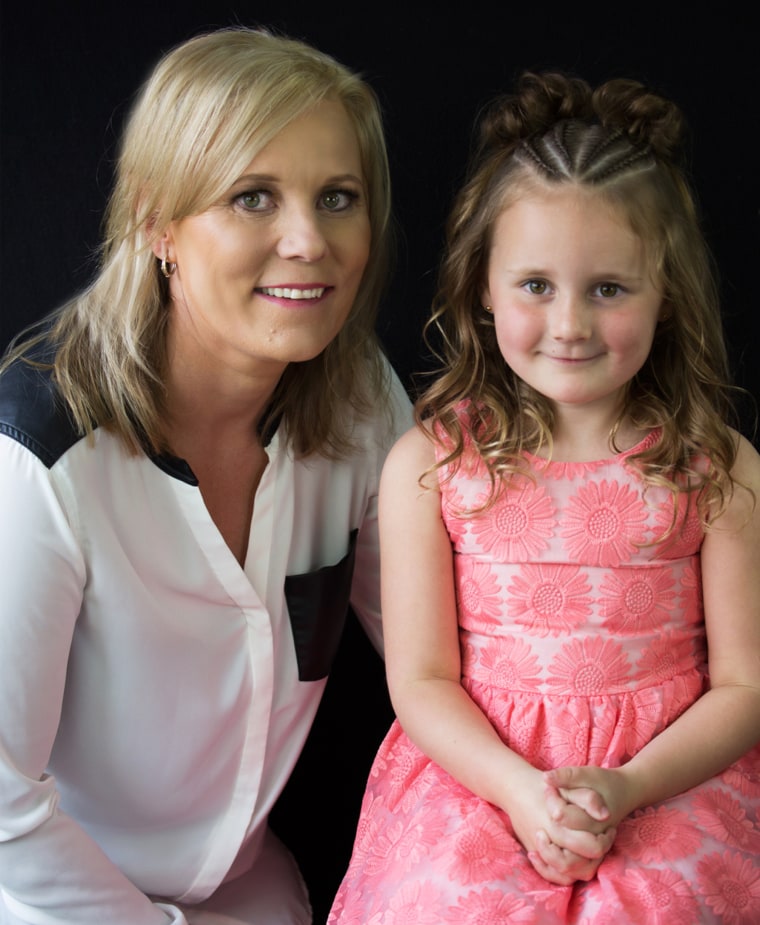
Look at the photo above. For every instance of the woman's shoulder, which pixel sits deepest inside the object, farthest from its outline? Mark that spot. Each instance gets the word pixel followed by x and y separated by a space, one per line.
pixel 390 414
pixel 31 410
pixel 397 396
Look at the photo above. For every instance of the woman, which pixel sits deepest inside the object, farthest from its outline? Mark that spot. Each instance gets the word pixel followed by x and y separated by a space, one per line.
pixel 189 457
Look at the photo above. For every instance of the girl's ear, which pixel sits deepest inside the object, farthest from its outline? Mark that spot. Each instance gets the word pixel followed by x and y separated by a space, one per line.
pixel 666 310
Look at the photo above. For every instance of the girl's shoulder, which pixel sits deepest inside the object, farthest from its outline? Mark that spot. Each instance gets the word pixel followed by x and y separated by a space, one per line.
pixel 747 463
pixel 412 461
pixel 743 506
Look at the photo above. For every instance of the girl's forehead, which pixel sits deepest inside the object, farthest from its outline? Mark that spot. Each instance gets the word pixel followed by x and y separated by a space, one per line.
pixel 568 226
pixel 565 206
pixel 567 196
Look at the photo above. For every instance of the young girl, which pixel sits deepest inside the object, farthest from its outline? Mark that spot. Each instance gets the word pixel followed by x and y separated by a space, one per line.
pixel 570 539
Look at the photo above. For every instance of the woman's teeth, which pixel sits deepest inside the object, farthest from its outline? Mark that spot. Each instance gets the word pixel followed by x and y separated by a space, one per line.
pixel 279 293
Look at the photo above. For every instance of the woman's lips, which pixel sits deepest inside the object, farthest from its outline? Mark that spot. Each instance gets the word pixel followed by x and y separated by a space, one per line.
pixel 296 293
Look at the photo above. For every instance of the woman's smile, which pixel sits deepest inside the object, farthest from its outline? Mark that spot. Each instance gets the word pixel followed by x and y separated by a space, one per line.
pixel 294 293
pixel 269 273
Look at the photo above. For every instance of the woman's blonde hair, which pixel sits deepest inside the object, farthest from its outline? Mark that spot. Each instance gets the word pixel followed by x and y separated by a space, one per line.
pixel 206 110
pixel 621 141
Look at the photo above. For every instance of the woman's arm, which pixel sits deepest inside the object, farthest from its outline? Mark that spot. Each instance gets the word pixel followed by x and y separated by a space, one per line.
pixel 49 867
pixel 389 423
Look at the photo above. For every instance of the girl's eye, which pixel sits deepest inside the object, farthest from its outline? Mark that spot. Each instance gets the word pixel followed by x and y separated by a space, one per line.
pixel 255 200
pixel 608 290
pixel 337 200
pixel 537 286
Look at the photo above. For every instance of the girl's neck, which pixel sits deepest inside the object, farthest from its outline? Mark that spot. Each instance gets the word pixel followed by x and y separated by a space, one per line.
pixel 580 437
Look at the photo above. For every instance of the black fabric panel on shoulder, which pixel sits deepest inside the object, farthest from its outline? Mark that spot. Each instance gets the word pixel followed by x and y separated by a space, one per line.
pixel 31 410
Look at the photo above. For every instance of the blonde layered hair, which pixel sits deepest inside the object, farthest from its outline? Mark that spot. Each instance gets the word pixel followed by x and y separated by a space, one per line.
pixel 622 142
pixel 209 106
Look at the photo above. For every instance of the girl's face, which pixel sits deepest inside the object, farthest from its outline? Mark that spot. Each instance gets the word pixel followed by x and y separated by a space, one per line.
pixel 574 300
pixel 268 274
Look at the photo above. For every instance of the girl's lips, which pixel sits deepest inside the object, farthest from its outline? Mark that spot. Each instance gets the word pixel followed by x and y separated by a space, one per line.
pixel 564 359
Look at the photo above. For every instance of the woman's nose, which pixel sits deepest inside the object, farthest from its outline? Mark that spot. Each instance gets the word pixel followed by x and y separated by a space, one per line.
pixel 301 237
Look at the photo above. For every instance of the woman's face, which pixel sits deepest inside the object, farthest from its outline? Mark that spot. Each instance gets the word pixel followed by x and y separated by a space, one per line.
pixel 268 275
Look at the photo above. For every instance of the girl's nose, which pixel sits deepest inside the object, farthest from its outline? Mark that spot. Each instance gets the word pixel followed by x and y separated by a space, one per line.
pixel 301 237
pixel 570 318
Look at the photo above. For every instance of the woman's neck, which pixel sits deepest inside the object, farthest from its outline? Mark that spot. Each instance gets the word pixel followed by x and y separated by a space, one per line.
pixel 211 394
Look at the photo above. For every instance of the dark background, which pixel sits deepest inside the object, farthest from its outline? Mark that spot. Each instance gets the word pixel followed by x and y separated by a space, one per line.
pixel 68 72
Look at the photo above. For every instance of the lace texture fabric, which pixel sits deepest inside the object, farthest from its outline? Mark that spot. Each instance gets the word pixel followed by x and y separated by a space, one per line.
pixel 582 638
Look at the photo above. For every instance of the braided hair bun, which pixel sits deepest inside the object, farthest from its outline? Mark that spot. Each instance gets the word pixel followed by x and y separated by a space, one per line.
pixel 621 108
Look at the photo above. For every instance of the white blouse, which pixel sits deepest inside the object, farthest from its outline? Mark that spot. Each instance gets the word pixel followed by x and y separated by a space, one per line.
pixel 154 695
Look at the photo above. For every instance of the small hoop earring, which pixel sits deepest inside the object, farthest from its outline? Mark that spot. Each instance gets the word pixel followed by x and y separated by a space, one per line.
pixel 167 268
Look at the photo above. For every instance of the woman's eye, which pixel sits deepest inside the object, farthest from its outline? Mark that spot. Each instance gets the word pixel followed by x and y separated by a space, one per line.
pixel 255 200
pixel 336 200
pixel 608 290
pixel 537 286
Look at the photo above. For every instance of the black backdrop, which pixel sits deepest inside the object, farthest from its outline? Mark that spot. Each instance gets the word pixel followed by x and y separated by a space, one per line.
pixel 68 73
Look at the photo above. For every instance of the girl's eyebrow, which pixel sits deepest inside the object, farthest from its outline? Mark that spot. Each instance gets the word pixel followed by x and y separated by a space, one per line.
pixel 536 270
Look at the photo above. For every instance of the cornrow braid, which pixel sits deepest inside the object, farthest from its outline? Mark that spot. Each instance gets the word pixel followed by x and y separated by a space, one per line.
pixel 572 150
pixel 553 107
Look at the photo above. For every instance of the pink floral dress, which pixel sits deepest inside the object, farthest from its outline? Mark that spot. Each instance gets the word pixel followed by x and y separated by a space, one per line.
pixel 581 640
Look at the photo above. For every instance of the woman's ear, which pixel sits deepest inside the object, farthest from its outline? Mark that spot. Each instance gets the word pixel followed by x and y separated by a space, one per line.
pixel 161 245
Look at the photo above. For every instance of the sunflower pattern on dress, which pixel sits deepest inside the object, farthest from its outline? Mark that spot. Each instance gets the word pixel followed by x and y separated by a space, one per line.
pixel 582 637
